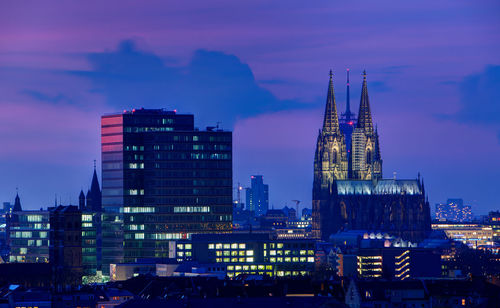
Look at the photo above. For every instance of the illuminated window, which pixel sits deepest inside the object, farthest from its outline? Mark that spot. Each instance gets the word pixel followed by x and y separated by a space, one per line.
pixel 250 259
pixel 241 260
pixel 188 246
pixel 234 246
pixel 272 252
pixel 227 246
pixel 211 246
pixel 139 236
pixel 279 245
pixel 242 246
pixel 310 259
pixel 249 252
pixel 218 246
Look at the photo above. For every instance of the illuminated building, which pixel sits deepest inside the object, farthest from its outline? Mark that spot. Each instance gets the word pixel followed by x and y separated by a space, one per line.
pixel 257 196
pixel 369 266
pixel 250 253
pixel 162 180
pixel 453 210
pixel 471 234
pixel 28 235
pixel 494 222
pixel 398 263
pixel 348 190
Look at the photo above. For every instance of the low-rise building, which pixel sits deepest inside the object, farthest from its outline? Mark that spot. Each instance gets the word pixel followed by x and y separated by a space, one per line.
pixel 250 253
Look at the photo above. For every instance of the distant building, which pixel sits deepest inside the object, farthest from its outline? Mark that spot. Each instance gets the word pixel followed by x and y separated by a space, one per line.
pixel 28 235
pixel 473 235
pixel 257 196
pixel 162 180
pixel 454 210
pixel 66 246
pixel 494 222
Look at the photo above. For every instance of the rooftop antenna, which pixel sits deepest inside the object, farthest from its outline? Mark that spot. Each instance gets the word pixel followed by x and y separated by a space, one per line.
pixel 394 175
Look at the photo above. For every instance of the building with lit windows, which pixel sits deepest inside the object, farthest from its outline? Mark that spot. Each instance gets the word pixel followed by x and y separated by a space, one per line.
pixel 28 236
pixel 250 253
pixel 471 234
pixel 162 180
pixel 398 263
pixel 453 210
pixel 257 196
pixel 369 265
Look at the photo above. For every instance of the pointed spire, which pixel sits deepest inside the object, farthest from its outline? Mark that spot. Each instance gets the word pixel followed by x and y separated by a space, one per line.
pixel 81 200
pixel 377 155
pixel 17 203
pixel 94 195
pixel 331 120
pixel 348 114
pixel 364 114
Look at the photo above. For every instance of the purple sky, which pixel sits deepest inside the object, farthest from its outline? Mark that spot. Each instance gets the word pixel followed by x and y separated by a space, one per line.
pixel 262 69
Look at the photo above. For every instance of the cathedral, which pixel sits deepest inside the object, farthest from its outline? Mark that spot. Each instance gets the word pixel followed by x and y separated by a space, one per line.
pixel 349 191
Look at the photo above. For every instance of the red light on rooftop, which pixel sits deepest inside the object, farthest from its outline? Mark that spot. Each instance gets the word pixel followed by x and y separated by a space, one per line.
pixel 133 110
pixel 175 110
pixel 124 111
pixel 351 123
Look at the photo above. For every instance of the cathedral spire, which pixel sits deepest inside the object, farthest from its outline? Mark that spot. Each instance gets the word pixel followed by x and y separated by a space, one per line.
pixel 331 120
pixel 348 114
pixel 364 114
pixel 17 203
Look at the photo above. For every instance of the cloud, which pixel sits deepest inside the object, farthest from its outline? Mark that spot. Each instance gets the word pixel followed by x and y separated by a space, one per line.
pixel 39 96
pixel 214 85
pixel 480 98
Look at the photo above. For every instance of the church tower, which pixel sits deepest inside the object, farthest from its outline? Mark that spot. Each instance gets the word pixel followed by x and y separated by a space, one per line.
pixel 330 160
pixel 366 160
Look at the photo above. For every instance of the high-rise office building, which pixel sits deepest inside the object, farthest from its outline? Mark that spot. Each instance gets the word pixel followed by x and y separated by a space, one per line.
pixel 162 179
pixel 454 210
pixel 257 196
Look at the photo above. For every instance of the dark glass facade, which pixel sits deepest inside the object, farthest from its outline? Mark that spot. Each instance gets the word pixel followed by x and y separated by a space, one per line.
pixel 162 180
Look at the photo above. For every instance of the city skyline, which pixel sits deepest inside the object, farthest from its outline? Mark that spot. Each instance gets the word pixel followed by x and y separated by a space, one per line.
pixel 425 101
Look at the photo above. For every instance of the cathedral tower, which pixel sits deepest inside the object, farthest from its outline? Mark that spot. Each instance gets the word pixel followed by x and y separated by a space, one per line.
pixel 330 160
pixel 366 159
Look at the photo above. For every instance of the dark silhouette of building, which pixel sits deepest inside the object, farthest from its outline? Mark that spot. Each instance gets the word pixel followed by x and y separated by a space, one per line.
pixel 257 196
pixel 349 192
pixel 65 250
pixel 162 180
